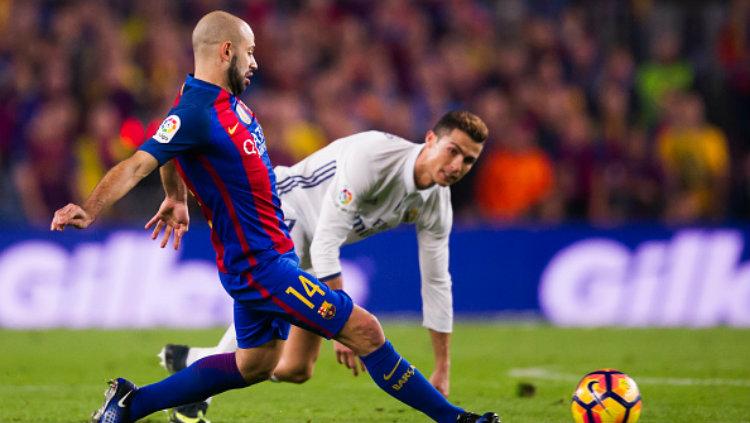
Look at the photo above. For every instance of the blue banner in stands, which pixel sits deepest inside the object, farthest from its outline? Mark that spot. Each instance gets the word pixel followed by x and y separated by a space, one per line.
pixel 569 275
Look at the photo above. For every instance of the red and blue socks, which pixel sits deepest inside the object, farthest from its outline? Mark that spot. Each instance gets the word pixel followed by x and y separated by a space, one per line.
pixel 206 377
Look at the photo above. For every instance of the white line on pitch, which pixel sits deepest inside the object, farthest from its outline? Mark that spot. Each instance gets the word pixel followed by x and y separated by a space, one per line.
pixel 541 373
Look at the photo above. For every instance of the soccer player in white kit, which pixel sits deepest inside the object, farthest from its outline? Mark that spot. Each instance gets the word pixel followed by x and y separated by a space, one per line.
pixel 349 190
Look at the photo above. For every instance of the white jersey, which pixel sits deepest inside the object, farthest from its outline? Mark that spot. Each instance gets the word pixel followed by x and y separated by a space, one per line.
pixel 361 185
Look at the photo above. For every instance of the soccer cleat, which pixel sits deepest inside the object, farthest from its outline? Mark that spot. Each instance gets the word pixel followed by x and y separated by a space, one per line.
pixel 191 413
pixel 117 399
pixel 476 418
pixel 173 357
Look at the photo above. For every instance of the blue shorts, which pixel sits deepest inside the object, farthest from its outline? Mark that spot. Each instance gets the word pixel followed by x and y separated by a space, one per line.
pixel 278 293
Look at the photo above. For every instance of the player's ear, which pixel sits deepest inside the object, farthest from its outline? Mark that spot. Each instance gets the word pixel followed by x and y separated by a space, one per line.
pixel 226 51
pixel 430 138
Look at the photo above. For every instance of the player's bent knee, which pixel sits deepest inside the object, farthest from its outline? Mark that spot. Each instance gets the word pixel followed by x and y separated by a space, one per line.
pixel 255 374
pixel 373 332
pixel 297 375
pixel 257 364
pixel 363 333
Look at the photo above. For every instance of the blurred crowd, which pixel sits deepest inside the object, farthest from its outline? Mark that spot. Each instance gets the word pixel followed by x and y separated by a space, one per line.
pixel 602 111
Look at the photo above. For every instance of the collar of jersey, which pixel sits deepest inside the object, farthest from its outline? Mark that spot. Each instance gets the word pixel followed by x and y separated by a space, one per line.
pixel 192 81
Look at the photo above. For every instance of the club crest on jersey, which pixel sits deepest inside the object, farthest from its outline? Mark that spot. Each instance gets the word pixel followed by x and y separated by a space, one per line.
pixel 243 113
pixel 327 310
pixel 167 129
pixel 345 197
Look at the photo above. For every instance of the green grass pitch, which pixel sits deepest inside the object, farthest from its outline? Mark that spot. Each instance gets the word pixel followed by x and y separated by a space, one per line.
pixel 700 376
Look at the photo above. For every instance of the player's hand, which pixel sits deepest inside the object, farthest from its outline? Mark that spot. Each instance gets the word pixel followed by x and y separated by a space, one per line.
pixel 174 218
pixel 347 357
pixel 70 215
pixel 441 381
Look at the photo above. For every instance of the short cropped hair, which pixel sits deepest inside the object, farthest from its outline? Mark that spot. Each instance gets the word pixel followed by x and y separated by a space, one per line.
pixel 464 121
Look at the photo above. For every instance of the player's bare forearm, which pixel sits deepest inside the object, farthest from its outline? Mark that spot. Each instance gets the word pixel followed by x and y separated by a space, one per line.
pixel 119 181
pixel 174 186
pixel 113 186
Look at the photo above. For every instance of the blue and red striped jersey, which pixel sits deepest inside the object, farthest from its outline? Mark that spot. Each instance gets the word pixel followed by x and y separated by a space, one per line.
pixel 220 152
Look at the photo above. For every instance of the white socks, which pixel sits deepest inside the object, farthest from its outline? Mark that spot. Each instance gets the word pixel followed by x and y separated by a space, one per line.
pixel 228 343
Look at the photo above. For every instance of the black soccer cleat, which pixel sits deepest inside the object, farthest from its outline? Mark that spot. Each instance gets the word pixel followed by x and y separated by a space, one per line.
pixel 476 418
pixel 173 357
pixel 116 407
pixel 190 413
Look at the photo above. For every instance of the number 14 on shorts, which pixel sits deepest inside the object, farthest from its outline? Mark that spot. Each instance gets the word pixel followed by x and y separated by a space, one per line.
pixel 311 288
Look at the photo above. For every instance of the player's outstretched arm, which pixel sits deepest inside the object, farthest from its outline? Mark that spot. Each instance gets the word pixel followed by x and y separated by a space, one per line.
pixel 173 215
pixel 113 186
pixel 433 233
pixel 333 226
pixel 354 180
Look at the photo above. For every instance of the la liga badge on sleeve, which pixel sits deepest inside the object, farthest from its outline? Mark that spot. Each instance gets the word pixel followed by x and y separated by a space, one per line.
pixel 167 129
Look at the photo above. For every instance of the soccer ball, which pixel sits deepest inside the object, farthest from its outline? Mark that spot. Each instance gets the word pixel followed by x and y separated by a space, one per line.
pixel 606 396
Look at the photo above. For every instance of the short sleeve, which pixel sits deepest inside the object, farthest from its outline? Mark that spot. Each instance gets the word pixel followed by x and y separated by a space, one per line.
pixel 184 129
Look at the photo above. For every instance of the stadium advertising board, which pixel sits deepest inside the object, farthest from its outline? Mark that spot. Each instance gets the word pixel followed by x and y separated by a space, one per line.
pixel 571 275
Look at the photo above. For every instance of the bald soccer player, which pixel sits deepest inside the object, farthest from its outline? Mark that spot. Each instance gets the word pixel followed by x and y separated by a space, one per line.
pixel 344 193
pixel 217 146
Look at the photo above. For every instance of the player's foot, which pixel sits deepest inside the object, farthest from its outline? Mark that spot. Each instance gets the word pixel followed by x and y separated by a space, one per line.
pixel 116 403
pixel 173 357
pixel 191 413
pixel 476 418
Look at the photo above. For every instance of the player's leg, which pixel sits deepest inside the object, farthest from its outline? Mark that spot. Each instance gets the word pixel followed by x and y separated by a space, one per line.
pixel 206 377
pixel 296 365
pixel 124 402
pixel 227 343
pixel 298 358
pixel 175 357
pixel 392 372
pixel 257 364
pixel 259 338
pixel 302 348
pixel 301 351
pixel 312 305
